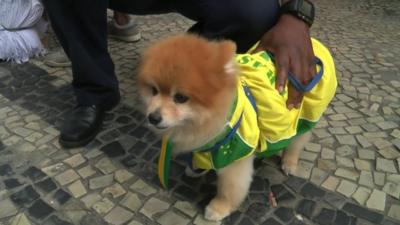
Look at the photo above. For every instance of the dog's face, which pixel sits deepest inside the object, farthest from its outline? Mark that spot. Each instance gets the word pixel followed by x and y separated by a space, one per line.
pixel 184 80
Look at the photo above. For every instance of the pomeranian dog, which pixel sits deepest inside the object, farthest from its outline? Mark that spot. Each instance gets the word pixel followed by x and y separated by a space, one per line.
pixel 223 109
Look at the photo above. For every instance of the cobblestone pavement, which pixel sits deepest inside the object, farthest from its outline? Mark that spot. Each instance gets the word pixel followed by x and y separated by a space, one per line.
pixel 349 173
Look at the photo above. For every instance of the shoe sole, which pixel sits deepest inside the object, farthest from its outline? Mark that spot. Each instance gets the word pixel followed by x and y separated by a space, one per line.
pixel 131 38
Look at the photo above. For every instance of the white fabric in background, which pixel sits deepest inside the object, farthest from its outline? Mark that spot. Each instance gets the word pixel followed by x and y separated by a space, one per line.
pixel 20 23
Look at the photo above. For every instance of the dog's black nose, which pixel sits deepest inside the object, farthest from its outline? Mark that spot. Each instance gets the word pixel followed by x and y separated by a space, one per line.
pixel 155 117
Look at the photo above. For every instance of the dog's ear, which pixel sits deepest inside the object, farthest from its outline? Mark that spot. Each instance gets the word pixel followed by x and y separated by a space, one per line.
pixel 227 51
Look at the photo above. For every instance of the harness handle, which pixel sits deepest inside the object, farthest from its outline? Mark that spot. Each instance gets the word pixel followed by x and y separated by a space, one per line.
pixel 306 88
pixel 297 84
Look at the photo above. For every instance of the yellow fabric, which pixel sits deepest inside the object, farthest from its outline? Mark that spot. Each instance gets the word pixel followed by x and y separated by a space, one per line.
pixel 274 121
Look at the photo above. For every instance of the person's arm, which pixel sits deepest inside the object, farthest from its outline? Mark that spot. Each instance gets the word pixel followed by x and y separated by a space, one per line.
pixel 289 40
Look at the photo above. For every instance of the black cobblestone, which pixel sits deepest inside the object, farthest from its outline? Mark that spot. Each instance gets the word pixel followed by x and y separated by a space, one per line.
pixel 40 210
pixel 150 154
pixel 34 174
pixel 311 191
pixel 258 197
pixel 123 119
pixel 176 169
pixel 125 129
pixel 271 221
pixel 92 219
pixel 47 185
pixel 258 185
pixel 61 196
pixel 233 218
pixel 110 135
pixel 129 161
pixel 285 214
pixel 361 212
pixel 341 218
pixel 150 137
pixel 139 132
pixel 325 217
pixel 295 183
pixel 245 221
pixel 257 210
pixel 139 148
pixel 54 220
pixel 25 196
pixel 306 208
pixel 281 193
pixel 12 183
pixel 113 149
pixel 138 116
pixel 6 170
pixel 334 199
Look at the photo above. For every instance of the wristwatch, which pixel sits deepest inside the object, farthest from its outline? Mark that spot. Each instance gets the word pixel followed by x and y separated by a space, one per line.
pixel 302 9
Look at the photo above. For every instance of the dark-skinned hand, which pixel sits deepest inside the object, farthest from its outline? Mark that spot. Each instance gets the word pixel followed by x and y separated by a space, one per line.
pixel 289 40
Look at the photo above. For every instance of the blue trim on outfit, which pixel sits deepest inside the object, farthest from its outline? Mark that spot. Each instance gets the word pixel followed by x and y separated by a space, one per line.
pixel 305 88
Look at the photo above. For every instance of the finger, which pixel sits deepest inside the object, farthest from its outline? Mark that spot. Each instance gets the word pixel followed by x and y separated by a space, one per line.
pixel 305 77
pixel 282 66
pixel 295 97
pixel 297 70
pixel 312 68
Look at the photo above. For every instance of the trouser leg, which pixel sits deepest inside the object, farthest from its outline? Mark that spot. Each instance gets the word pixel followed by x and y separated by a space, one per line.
pixel 81 27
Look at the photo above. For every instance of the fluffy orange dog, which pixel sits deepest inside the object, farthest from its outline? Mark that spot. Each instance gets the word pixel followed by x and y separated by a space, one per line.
pixel 224 109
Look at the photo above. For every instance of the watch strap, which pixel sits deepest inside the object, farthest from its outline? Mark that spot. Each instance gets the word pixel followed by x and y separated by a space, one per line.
pixel 297 8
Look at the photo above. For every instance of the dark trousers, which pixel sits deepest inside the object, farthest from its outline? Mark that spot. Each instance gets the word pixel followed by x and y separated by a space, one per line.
pixel 81 27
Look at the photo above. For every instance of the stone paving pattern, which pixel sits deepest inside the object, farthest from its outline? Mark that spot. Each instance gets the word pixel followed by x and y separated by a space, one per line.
pixel 349 173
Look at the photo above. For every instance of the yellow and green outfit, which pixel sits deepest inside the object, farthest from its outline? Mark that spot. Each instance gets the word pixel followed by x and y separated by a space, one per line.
pixel 259 121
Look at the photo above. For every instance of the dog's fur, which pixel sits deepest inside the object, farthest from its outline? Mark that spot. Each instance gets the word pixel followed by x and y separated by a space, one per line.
pixel 205 72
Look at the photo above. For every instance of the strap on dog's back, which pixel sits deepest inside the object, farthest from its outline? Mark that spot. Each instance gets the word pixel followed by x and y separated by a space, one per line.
pixel 250 97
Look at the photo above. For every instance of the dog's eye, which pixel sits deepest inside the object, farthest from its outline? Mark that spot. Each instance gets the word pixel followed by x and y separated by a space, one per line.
pixel 180 98
pixel 154 90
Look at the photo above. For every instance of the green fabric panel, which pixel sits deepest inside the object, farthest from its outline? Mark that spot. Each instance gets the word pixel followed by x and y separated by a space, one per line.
pixel 234 150
pixel 273 148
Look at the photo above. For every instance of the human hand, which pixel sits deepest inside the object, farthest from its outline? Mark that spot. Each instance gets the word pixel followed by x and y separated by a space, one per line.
pixel 289 40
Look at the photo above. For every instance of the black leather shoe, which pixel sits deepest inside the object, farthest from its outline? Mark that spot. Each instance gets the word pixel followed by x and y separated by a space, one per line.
pixel 81 126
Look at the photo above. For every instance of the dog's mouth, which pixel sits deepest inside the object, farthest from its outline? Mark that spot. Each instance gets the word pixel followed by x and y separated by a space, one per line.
pixel 158 127
pixel 161 127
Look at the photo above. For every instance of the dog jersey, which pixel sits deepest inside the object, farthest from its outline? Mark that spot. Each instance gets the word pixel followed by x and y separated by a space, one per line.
pixel 260 122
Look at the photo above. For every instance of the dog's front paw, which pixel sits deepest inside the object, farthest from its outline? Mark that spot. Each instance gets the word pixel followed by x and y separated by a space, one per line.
pixel 217 210
pixel 289 167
